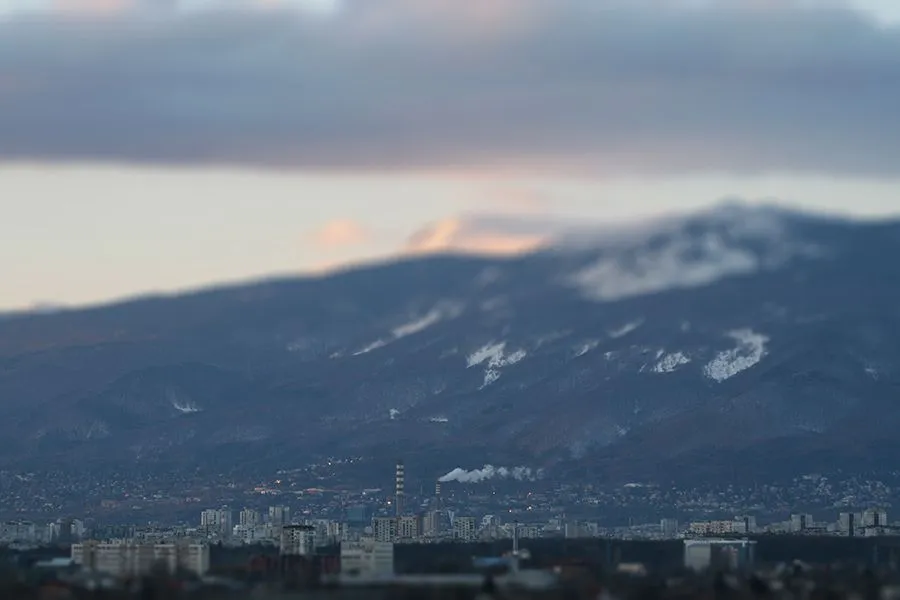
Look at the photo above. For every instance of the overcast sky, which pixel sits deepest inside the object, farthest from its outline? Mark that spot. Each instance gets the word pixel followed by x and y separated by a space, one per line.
pixel 162 144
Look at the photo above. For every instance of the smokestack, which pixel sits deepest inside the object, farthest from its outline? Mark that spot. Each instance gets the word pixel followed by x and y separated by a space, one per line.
pixel 437 502
pixel 400 487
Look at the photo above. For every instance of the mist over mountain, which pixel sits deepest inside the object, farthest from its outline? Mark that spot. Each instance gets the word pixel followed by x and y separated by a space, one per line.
pixel 742 338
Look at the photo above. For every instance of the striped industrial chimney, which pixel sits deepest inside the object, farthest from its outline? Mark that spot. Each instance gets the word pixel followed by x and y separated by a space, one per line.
pixel 436 502
pixel 400 488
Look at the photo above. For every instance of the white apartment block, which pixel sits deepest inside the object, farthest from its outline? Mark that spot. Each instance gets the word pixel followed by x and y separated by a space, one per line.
pixel 408 527
pixel 385 529
pixel 801 522
pixel 715 527
pixel 367 558
pixel 298 540
pixel 328 531
pixel 431 524
pixel 530 532
pixel 217 520
pixel 256 534
pixel 250 518
pixel 19 531
pixel 465 529
pixel 874 517
pixel 280 515
pixel 125 558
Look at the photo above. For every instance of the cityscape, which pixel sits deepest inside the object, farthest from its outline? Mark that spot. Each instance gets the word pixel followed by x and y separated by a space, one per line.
pixel 365 527
pixel 449 299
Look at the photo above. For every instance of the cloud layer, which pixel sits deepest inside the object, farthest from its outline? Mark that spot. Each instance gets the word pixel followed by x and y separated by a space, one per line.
pixel 572 84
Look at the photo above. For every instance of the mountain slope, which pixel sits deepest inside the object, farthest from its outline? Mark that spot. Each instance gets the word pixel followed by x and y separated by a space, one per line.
pixel 667 351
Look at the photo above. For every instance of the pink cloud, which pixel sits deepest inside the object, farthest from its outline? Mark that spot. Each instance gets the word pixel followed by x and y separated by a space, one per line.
pixel 341 234
pixel 476 236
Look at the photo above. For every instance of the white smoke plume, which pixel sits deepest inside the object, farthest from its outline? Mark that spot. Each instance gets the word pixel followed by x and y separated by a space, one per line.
pixel 491 472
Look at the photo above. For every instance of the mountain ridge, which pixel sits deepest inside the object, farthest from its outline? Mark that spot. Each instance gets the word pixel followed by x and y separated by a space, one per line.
pixel 730 332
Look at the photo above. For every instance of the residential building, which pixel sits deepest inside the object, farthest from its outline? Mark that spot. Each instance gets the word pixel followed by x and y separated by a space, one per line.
pixel 668 528
pixel 465 529
pixel 874 517
pixel 217 521
pixel 328 531
pixel 748 523
pixel 125 558
pixel 298 540
pixel 408 527
pixel 280 515
pixel 702 554
pixel 384 529
pixel 250 518
pixel 848 524
pixel 711 527
pixel 431 524
pixel 367 557
pixel 801 522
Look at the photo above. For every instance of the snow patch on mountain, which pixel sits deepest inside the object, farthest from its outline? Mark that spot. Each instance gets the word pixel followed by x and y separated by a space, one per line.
pixel 488 352
pixel 750 349
pixel 184 406
pixel 625 329
pixel 417 325
pixel 185 409
pixel 441 312
pixel 373 346
pixel 586 347
pixel 448 310
pixel 495 358
pixel 670 362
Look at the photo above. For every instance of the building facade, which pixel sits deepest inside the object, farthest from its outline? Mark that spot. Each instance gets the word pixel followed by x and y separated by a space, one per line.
pixel 298 540
pixel 384 529
pixel 703 554
pixel 408 527
pixel 465 529
pixel 128 558
pixel 367 558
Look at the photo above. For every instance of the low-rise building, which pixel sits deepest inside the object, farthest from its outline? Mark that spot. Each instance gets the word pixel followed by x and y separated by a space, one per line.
pixel 367 557
pixel 124 558
pixel 702 554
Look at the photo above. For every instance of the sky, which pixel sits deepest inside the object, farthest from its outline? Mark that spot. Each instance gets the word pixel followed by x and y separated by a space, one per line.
pixel 162 145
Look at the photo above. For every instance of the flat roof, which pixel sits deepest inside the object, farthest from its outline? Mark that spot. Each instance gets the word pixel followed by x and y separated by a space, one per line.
pixel 718 541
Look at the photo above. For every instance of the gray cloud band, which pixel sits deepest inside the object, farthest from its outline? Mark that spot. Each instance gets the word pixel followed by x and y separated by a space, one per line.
pixel 576 87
